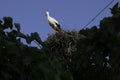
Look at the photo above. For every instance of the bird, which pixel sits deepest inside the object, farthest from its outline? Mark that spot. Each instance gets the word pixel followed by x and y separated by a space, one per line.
pixel 53 22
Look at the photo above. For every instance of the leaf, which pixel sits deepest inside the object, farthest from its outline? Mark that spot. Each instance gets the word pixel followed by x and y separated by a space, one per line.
pixel 21 35
pixel 0 21
pixel 8 22
pixel 28 39
pixel 115 9
pixel 1 26
pixel 17 25
pixel 12 34
pixel 37 38
pixel 32 36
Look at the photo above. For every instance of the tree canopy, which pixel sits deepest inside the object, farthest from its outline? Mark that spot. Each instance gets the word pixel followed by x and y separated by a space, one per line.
pixel 87 54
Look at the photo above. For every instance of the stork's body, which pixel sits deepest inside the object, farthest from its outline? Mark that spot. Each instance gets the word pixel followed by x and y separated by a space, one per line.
pixel 53 22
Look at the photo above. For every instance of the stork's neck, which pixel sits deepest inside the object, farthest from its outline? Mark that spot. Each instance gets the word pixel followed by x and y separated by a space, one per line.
pixel 48 15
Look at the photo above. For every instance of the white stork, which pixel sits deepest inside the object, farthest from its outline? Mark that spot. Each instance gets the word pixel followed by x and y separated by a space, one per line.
pixel 53 22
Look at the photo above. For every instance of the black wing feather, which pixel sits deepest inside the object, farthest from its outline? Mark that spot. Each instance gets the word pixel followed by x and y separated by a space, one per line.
pixel 58 26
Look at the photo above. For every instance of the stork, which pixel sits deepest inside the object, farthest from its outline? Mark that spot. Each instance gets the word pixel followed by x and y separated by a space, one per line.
pixel 53 23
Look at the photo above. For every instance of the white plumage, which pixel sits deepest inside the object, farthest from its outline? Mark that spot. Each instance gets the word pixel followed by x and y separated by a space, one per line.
pixel 53 22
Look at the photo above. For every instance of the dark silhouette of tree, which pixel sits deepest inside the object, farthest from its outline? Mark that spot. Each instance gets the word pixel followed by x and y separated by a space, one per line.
pixel 23 62
pixel 88 54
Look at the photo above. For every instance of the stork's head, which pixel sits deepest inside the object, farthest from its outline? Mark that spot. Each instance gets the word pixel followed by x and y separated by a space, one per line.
pixel 47 13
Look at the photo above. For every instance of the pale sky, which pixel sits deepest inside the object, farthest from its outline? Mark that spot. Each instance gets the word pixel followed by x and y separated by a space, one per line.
pixel 71 14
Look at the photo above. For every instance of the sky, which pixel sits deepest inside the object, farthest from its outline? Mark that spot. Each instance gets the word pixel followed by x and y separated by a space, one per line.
pixel 71 14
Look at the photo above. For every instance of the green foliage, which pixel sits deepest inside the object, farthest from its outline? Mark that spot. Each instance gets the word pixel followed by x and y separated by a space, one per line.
pixel 17 25
pixel 89 54
pixel 85 53
pixel 8 22
pixel 23 62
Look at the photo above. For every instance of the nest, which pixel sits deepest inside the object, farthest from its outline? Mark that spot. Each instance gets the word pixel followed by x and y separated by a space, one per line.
pixel 64 42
